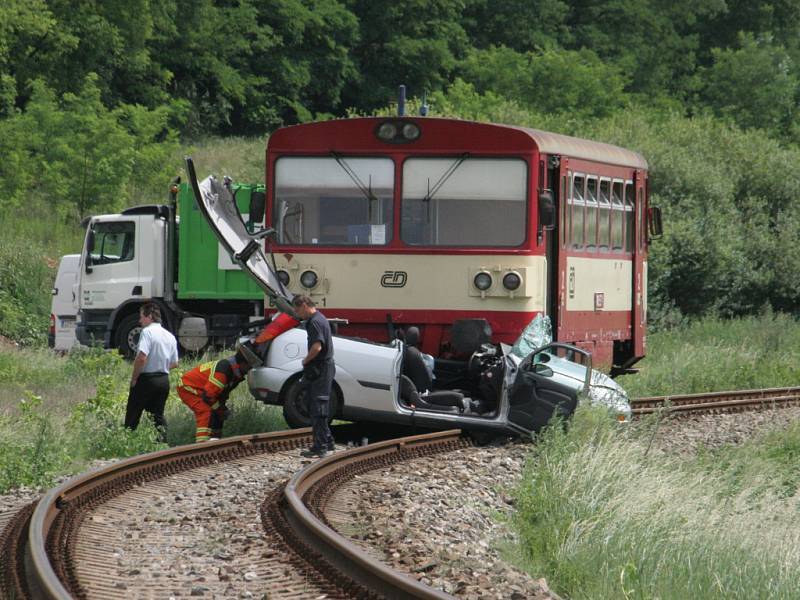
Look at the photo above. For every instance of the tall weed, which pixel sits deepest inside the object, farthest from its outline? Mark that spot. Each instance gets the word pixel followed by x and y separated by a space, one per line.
pixel 602 519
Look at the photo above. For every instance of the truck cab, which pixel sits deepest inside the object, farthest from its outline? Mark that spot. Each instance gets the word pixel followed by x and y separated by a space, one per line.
pixel 164 254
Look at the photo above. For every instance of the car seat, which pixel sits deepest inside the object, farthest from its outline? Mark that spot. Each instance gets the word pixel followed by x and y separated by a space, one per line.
pixel 416 383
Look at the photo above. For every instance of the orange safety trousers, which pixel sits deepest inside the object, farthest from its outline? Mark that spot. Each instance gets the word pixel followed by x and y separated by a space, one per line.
pixel 202 414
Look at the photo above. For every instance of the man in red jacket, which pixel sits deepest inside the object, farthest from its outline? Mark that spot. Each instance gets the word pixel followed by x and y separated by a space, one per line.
pixel 205 389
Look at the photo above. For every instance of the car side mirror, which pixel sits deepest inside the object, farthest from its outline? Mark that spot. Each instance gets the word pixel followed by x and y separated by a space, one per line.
pixel 547 210
pixel 654 223
pixel 543 370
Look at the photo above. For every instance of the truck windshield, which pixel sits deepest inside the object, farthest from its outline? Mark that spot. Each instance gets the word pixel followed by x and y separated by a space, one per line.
pixel 333 201
pixel 113 242
pixel 481 203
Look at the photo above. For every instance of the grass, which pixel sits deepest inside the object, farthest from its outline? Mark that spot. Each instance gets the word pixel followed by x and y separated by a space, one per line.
pixel 602 519
pixel 715 355
pixel 240 158
pixel 59 413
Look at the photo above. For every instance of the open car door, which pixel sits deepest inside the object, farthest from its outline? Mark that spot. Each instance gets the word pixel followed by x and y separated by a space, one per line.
pixel 218 206
pixel 549 381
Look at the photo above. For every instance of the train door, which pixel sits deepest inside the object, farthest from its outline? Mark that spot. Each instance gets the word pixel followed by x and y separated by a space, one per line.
pixel 562 276
pixel 639 282
pixel 556 183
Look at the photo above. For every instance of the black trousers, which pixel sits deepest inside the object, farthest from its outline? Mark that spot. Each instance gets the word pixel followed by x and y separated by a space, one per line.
pixel 318 396
pixel 150 394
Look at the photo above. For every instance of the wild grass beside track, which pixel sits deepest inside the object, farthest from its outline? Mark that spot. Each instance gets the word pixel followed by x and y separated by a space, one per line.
pixel 602 519
pixel 58 413
pixel 717 355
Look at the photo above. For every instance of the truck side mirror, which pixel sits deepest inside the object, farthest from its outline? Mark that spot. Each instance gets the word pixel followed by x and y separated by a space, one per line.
pixel 547 210
pixel 87 263
pixel 258 201
pixel 654 223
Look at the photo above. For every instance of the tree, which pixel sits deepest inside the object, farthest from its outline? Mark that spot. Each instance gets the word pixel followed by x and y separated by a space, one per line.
pixel 417 43
pixel 755 85
pixel 519 24
pixel 560 81
pixel 20 22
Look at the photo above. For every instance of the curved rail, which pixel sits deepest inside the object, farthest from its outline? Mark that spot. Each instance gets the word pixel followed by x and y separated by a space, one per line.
pixel 47 547
pixel 730 401
pixel 43 558
pixel 304 508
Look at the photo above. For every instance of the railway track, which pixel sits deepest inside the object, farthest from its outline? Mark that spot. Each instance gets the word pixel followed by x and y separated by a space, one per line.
pixel 66 545
pixel 718 402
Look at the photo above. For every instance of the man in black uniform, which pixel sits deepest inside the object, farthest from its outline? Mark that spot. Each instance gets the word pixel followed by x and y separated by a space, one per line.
pixel 318 372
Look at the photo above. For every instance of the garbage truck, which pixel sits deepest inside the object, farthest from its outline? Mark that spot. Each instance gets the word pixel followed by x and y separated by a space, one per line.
pixel 167 254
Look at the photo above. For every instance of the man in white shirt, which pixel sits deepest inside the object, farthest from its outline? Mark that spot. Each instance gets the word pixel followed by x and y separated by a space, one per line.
pixel 157 354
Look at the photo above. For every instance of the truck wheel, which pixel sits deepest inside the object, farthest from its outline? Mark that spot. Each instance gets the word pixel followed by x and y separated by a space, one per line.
pixel 126 338
pixel 295 409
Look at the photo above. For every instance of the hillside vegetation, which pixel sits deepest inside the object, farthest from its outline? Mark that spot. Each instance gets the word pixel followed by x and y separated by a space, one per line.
pixel 99 102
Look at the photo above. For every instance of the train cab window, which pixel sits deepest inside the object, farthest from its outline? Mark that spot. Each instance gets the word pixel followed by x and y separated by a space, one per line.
pixel 591 213
pixel 464 202
pixel 577 207
pixel 629 217
pixel 604 216
pixel 617 218
pixel 343 201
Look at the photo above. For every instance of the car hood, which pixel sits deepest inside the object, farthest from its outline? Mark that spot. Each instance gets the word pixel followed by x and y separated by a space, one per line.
pixel 219 208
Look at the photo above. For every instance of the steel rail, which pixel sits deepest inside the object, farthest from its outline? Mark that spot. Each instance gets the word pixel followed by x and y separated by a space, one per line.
pixel 346 555
pixel 42 578
pixel 721 401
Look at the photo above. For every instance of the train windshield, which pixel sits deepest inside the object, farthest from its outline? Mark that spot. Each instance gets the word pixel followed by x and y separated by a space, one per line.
pixel 464 202
pixel 336 200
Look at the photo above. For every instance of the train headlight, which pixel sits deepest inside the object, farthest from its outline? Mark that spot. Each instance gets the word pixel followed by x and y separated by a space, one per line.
pixel 410 131
pixel 283 276
pixel 387 131
pixel 309 279
pixel 512 281
pixel 482 281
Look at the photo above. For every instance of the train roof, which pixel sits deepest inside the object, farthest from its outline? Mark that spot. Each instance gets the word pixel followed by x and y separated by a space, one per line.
pixel 452 135
pixel 556 143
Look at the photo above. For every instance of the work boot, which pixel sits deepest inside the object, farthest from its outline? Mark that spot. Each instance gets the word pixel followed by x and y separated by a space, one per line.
pixel 314 453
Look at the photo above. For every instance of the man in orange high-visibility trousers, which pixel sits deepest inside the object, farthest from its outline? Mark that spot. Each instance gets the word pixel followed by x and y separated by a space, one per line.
pixel 205 389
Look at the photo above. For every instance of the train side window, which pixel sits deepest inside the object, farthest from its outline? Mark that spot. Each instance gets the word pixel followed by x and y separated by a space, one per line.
pixel 604 216
pixel 617 218
pixel 576 212
pixel 591 213
pixel 629 217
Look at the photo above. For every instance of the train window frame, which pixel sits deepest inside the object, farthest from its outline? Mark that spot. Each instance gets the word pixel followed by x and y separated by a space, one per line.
pixel 577 211
pixel 630 216
pixel 459 161
pixel 592 209
pixel 617 216
pixel 604 216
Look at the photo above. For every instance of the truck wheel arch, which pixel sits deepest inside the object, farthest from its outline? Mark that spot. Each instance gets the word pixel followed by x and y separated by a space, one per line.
pixel 121 317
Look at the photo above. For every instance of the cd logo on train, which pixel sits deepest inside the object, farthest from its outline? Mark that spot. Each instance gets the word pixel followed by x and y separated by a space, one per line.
pixel 394 279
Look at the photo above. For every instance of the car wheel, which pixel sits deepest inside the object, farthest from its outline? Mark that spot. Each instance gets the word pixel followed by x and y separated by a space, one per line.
pixel 295 408
pixel 126 338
